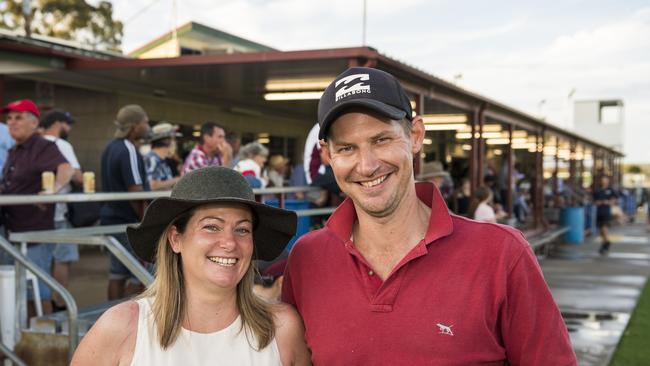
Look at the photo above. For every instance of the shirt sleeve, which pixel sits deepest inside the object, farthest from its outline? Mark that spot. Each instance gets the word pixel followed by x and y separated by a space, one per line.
pixel 484 213
pixel 68 152
pixel 533 330
pixel 129 166
pixel 49 158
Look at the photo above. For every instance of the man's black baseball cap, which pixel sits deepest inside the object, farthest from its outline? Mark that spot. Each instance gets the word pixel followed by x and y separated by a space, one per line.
pixel 363 87
pixel 56 116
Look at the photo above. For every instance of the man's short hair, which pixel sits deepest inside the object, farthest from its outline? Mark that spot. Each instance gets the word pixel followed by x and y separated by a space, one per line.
pixel 54 116
pixel 208 128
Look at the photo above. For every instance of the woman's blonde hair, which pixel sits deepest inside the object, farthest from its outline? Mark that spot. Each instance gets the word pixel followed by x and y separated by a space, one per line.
pixel 169 296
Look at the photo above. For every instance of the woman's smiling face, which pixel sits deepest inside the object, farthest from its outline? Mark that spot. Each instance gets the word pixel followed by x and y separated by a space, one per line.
pixel 216 247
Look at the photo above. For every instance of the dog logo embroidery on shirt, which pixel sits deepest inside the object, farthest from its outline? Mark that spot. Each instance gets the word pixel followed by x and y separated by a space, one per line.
pixel 347 90
pixel 444 329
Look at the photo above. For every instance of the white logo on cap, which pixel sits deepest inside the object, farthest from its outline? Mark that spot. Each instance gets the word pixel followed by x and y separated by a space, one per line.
pixel 347 90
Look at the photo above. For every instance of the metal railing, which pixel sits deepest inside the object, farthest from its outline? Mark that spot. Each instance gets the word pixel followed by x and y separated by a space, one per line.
pixel 94 235
pixel 52 283
pixel 21 199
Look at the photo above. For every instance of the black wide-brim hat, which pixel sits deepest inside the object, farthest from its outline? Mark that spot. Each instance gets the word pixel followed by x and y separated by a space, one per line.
pixel 272 227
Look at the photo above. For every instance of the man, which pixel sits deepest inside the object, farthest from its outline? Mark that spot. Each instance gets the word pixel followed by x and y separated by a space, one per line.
pixel 163 146
pixel 123 170
pixel 6 142
pixel 394 278
pixel 213 149
pixel 28 159
pixel 56 126
pixel 234 140
pixel 604 197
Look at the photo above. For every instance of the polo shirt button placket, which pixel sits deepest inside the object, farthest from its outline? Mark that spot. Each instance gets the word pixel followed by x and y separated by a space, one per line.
pixel 370 273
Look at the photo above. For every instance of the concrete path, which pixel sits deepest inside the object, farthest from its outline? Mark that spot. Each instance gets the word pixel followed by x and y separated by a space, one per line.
pixel 598 294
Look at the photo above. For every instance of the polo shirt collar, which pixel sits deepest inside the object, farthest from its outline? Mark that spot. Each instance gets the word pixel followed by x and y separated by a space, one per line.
pixel 29 142
pixel 440 223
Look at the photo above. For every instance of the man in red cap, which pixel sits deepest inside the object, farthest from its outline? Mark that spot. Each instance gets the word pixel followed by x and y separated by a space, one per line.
pixel 28 159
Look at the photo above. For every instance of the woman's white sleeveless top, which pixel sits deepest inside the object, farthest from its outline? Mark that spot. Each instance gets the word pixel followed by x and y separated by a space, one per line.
pixel 228 346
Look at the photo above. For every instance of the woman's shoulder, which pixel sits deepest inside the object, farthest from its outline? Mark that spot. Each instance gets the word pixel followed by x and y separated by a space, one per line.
pixel 112 338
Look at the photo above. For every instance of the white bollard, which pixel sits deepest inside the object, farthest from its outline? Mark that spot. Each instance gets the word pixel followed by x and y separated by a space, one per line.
pixel 7 305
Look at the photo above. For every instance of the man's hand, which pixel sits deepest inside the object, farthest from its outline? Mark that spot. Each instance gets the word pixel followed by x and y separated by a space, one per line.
pixel 226 152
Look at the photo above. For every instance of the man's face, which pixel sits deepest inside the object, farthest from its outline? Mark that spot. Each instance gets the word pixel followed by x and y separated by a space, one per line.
pixel 604 181
pixel 213 141
pixel 372 160
pixel 64 132
pixel 141 129
pixel 21 125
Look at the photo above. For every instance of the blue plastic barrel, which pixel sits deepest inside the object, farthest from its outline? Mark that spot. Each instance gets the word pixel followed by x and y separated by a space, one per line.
pixel 574 218
pixel 303 221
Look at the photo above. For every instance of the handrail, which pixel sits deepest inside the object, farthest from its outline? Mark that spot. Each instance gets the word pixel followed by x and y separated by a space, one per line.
pixel 54 285
pixel 12 356
pixel 95 235
pixel 22 199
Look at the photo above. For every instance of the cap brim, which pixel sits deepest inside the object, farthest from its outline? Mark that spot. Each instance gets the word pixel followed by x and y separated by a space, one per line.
pixel 374 105
pixel 274 227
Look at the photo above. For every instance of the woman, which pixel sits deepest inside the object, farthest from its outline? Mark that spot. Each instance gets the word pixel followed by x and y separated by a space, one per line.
pixel 253 157
pixel 480 209
pixel 201 309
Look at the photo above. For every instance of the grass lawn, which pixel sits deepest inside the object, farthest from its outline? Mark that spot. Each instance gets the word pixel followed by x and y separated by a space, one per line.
pixel 634 347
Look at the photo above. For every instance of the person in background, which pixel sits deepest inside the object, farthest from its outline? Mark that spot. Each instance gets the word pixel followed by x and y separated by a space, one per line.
pixel 212 150
pixel 123 170
pixel 27 160
pixel 268 285
pixel 234 140
pixel 253 158
pixel 461 198
pixel 56 126
pixel 277 170
pixel 6 143
pixel 163 146
pixel 604 197
pixel 481 208
pixel 311 162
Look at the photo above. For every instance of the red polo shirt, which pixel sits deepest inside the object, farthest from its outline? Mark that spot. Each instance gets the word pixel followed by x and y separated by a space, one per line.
pixel 468 293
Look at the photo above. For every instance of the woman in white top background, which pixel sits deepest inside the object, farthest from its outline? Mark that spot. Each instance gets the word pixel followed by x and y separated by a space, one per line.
pixel 481 208
pixel 253 157
pixel 201 309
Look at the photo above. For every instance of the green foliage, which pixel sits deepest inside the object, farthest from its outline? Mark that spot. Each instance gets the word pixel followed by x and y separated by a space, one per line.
pixel 67 19
pixel 634 169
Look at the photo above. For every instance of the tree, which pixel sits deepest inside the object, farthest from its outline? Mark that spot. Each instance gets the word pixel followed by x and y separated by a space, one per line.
pixel 67 19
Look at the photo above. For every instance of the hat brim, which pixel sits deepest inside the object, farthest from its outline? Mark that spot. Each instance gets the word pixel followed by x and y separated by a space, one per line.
pixel 272 231
pixel 9 109
pixel 383 109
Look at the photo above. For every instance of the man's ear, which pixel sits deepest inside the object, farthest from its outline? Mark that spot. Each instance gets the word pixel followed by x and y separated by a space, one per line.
pixel 174 239
pixel 417 134
pixel 325 148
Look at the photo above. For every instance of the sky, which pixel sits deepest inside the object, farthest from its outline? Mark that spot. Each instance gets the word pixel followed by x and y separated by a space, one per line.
pixel 536 56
